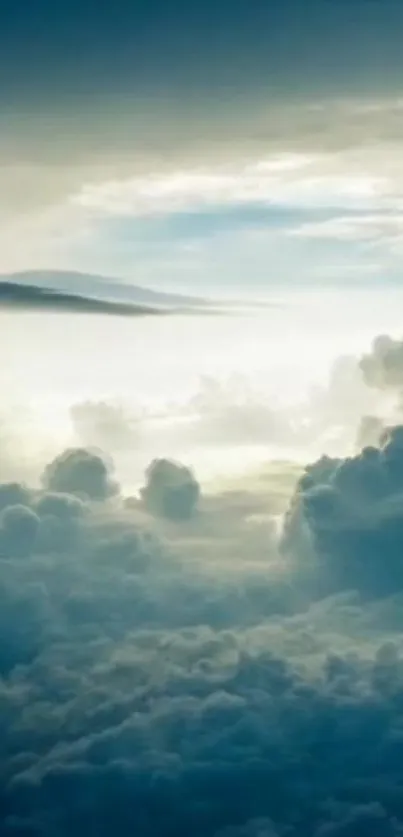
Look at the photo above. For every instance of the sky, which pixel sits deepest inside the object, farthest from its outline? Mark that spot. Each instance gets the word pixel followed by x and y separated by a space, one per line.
pixel 201 526
pixel 207 145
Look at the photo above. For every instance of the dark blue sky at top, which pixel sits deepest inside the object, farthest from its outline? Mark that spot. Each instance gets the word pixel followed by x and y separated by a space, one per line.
pixel 52 50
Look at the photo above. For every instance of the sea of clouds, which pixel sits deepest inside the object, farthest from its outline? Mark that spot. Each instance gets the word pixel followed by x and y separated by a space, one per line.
pixel 221 660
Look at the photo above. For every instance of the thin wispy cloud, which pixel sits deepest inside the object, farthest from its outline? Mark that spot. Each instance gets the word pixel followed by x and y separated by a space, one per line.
pixel 140 225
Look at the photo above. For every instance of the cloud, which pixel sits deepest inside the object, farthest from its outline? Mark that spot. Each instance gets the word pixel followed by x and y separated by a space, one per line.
pixel 105 425
pixel 382 370
pixel 153 681
pixel 371 819
pixel 14 296
pixel 386 228
pixel 348 514
pixel 14 494
pixel 301 176
pixel 82 472
pixel 313 159
pixel 382 367
pixel 246 186
pixel 236 412
pixel 170 489
pixel 18 530
pixel 370 432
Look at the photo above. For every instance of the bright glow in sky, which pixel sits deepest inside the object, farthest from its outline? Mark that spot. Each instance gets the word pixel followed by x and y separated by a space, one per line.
pixel 218 391
pixel 265 191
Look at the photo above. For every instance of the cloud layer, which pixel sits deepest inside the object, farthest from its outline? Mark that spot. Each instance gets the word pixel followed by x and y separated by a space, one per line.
pixel 167 676
pixel 311 188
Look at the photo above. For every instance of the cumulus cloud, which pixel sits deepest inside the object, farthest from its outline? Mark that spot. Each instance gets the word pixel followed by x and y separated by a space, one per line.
pixel 13 494
pixel 222 414
pixel 382 371
pixel 18 529
pixel 103 424
pixel 80 471
pixel 171 489
pixel 142 692
pixel 382 367
pixel 348 514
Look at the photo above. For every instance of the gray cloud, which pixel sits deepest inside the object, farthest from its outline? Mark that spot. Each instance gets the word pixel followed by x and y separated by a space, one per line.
pixel 370 432
pixel 106 425
pixel 80 471
pixel 142 693
pixel 14 296
pixel 382 371
pixel 14 494
pixel 49 153
pixel 382 367
pixel 348 514
pixel 170 489
pixel 18 529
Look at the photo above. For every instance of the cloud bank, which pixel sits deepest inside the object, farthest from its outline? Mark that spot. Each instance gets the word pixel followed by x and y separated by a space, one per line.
pixel 170 673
